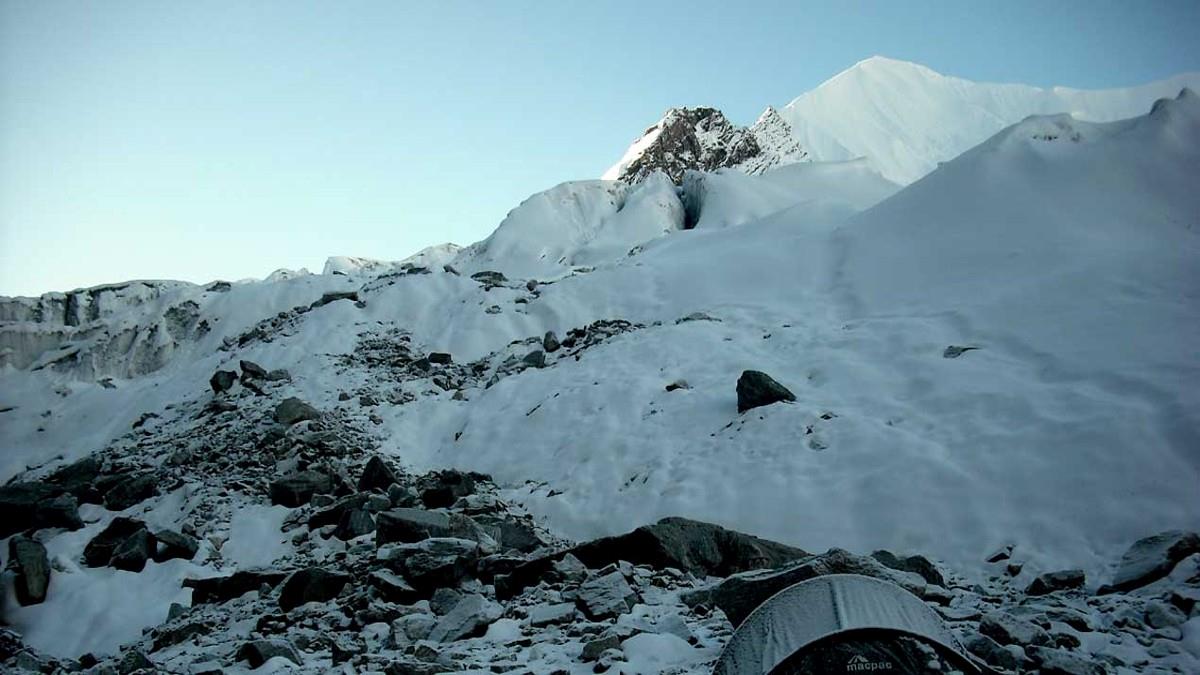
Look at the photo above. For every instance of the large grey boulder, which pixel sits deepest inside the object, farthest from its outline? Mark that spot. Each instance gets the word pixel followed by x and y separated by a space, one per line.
pixel 258 652
pixel 407 525
pixel 28 560
pixel 1007 629
pixel 292 411
pixel 701 548
pixel 1151 559
pixel 1060 662
pixel 433 563
pixel 756 388
pixel 314 584
pixel 376 475
pixel 606 596
pixel 35 505
pixel 223 588
pixel 130 489
pixel 469 618
pixel 132 553
pixel 354 523
pixel 1050 582
pixel 297 489
pixel 101 550
pixel 392 587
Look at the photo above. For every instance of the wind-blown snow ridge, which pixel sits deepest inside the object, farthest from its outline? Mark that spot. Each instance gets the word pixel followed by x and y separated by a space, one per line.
pixel 905 117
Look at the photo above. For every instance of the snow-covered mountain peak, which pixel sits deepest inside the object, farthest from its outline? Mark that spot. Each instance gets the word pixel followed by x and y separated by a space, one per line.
pixel 905 118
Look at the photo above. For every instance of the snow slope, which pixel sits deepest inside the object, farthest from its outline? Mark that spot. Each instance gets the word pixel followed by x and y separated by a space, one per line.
pixel 905 118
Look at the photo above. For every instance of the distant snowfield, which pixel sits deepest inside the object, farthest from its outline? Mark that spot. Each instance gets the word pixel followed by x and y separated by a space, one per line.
pixel 1067 253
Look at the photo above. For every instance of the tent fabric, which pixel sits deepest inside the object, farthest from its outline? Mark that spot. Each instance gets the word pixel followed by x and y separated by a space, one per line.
pixel 811 611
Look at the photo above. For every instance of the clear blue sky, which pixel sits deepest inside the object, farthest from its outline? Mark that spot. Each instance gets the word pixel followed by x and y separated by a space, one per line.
pixel 210 140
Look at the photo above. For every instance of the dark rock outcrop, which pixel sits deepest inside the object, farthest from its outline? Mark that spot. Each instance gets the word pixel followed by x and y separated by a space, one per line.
pixel 1056 581
pixel 35 505
pixel 1152 558
pixel 678 146
pixel 298 489
pixel 221 589
pixel 700 548
pixel 292 410
pixel 755 389
pixel 314 584
pixel 377 475
pixel 222 381
pixel 28 560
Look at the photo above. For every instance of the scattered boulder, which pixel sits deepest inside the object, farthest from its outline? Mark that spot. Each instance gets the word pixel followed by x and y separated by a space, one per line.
pixel 79 479
pixel 36 505
pixel 222 381
pixel 1060 662
pixel 1001 554
pixel 224 588
pixel 440 357
pixel 606 596
pixel 392 587
pixel 130 489
pixel 298 489
pixel 258 652
pixel 28 560
pixel 1056 581
pixel 700 548
pixel 755 389
pixel 433 563
pixel 135 661
pixel 545 615
pixel 292 410
pixel 1163 615
pixel 469 618
pixel 443 600
pixel 100 550
pixel 990 651
pixel 377 475
pixel 334 296
pixel 354 523
pixel 131 554
pixel 535 359
pixel 1151 559
pixel 1007 629
pixel 914 563
pixel 333 514
pixel 314 584
pixel 253 371
pixel 489 278
pixel 550 342
pixel 446 488
pixel 406 525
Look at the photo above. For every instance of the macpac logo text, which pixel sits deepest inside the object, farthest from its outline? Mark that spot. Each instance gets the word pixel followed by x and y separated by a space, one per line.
pixel 861 664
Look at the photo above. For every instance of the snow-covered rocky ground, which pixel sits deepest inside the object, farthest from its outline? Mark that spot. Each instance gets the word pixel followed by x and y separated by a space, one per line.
pixel 993 368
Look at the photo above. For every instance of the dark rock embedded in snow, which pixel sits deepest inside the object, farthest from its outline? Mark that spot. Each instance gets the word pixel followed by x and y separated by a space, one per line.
pixel 100 550
pixel 253 371
pixel 914 563
pixel 129 490
pixel 35 505
pixel 132 553
pixel 313 584
pixel 550 342
pixel 992 652
pixel 222 381
pixel 755 388
pixel 334 296
pixel 223 588
pixel 440 358
pixel 1152 558
pixel 258 652
pixel 1007 629
pixel 535 359
pixel 354 523
pixel 298 489
pixel 406 525
pixel 470 617
pixel 79 479
pixel 690 545
pixel 606 596
pixel 392 587
pixel 172 545
pixel 1060 662
pixel 447 487
pixel 293 410
pixel 489 278
pixel 377 475
pixel 27 559
pixel 1056 581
